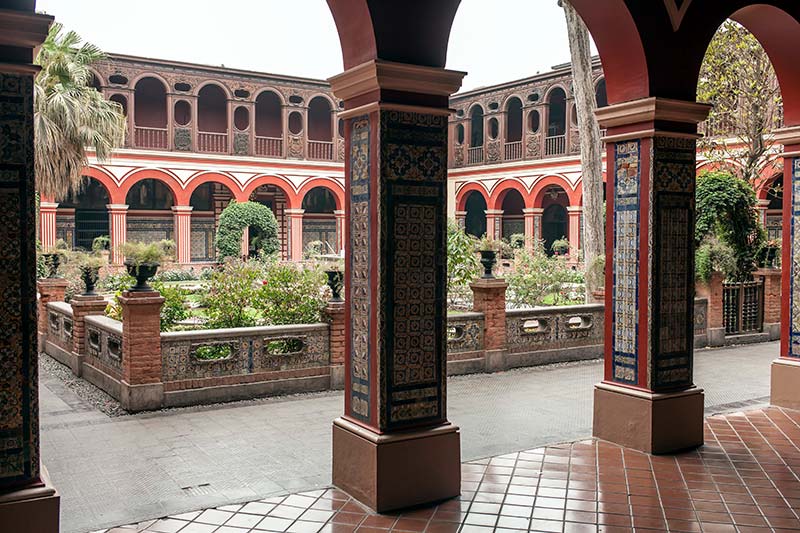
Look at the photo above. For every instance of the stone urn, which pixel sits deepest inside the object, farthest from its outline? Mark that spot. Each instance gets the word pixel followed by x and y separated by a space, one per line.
pixel 142 273
pixel 488 260
pixel 89 276
pixel 52 262
pixel 335 282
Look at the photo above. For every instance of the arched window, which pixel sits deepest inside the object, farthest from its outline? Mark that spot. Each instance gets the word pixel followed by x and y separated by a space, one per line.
pixel 320 120
pixel 212 109
pixel 475 222
pixel 122 101
pixel 600 93
pixel 557 113
pixel 150 195
pixel 150 114
pixel 269 116
pixel 319 200
pixel 514 120
pixel 476 124
pixel 513 217
pixel 89 214
pixel 319 221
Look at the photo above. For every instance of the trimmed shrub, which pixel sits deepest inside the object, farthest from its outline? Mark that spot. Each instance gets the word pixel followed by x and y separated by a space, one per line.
pixel 238 216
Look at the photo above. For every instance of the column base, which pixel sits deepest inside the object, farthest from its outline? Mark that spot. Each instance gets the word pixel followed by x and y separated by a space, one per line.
pixel 33 508
pixel 785 384
pixel 135 398
pixel 649 422
pixel 397 471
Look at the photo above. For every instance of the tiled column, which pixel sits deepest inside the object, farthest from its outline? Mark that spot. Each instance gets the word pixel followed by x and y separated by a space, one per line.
pixel 82 306
pixel 28 503
pixel 341 230
pixel 47 224
pixel 461 219
pixel 50 290
pixel 785 383
pixel 183 233
pixel 295 233
pixel 647 399
pixel 494 223
pixel 394 446
pixel 763 206
pixel 118 225
pixel 141 350
pixel 489 298
pixel 575 213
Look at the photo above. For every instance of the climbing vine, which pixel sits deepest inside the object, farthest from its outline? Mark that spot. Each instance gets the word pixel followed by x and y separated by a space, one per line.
pixel 238 216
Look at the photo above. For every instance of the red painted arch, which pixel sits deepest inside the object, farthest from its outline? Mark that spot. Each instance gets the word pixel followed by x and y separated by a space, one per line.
pixel 270 179
pixel 537 194
pixel 214 177
pixel 115 196
pixel 178 192
pixel 501 190
pixel 326 183
pixel 463 194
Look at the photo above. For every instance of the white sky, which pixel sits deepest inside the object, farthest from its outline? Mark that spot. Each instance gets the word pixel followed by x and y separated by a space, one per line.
pixel 494 40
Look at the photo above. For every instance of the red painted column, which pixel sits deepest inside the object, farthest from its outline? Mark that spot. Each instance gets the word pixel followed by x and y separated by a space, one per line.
pixel 647 400
pixel 118 226
pixel 530 226
pixel 47 224
pixel 575 213
pixel 341 230
pixel 394 447
pixel 183 233
pixel 295 233
pixel 785 380
pixel 494 223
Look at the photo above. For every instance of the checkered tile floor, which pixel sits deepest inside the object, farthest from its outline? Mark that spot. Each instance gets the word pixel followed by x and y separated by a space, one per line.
pixel 744 479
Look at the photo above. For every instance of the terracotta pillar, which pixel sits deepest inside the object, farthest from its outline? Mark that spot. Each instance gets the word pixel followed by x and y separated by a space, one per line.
pixel 394 446
pixel 341 227
pixel 763 206
pixel 295 233
pixel 494 223
pixel 183 233
pixel 47 224
pixel 28 503
pixel 336 316
pixel 83 306
pixel 461 219
pixel 50 290
pixel 118 226
pixel 647 400
pixel 141 350
pixel 575 213
pixel 785 384
pixel 489 298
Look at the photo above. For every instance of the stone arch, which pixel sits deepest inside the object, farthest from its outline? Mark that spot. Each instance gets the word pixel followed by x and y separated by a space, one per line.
pixel 115 192
pixel 461 196
pixel 501 189
pixel 541 186
pixel 331 185
pixel 178 192
pixel 271 179
pixel 215 177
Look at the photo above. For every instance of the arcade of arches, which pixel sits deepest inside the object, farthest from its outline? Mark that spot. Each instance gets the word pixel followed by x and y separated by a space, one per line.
pixel 394 446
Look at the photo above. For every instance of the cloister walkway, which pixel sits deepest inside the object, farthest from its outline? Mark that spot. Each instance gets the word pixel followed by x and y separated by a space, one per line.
pixel 113 471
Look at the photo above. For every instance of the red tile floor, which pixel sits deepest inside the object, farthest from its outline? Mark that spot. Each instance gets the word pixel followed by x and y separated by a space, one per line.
pixel 744 479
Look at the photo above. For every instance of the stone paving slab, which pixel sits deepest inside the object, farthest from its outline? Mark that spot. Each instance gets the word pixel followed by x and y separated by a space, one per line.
pixel 121 470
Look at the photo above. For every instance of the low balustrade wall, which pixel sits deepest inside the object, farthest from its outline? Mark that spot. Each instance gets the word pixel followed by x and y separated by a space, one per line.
pixel 209 366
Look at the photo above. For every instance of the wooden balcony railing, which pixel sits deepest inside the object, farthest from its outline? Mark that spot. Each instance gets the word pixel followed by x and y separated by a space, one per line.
pixel 556 145
pixel 152 138
pixel 269 146
pixel 475 155
pixel 320 150
pixel 212 142
pixel 514 151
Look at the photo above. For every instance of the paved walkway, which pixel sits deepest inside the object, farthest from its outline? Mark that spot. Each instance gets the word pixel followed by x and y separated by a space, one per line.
pixel 745 480
pixel 121 470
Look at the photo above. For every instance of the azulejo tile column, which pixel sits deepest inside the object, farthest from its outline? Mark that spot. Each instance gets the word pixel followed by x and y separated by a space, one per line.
pixel 28 503
pixel 394 446
pixel 647 399
pixel 785 382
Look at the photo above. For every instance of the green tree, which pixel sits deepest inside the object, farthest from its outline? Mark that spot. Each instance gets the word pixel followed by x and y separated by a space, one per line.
pixel 238 216
pixel 232 293
pixel 70 116
pixel 463 265
pixel 739 80
pixel 726 208
pixel 537 277
pixel 292 295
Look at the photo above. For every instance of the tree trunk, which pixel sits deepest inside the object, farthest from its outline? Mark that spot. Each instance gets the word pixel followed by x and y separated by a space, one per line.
pixel 591 150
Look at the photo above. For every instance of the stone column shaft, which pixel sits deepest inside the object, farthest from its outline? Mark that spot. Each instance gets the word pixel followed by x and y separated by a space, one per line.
pixel 494 223
pixel 183 233
pixel 295 233
pixel 47 224
pixel 461 219
pixel 118 226
pixel 341 230
pixel 575 213
pixel 532 229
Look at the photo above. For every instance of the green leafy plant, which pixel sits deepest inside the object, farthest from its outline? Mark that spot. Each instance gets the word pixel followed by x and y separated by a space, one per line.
pixel 173 310
pixel 177 275
pixel 463 265
pixel 238 216
pixel 213 352
pixel 714 256
pixel 560 246
pixel 538 279
pixel 101 243
pixel 232 292
pixel 116 282
pixel 517 241
pixel 291 294
pixel 139 253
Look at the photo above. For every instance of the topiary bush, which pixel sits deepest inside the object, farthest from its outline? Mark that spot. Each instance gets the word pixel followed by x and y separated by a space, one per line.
pixel 238 216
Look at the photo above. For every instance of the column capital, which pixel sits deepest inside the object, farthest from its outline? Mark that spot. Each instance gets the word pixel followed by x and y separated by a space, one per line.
pixel 652 116
pixel 494 212
pixel 117 208
pixel 339 212
pixel 577 209
pixel 461 213
pixel 294 212
pixel 533 211
pixel 763 204
pixel 48 206
pixel 181 209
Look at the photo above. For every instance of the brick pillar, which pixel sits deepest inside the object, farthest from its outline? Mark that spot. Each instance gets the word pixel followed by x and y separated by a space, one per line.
pixel 461 219
pixel 183 233
pixel 396 318
pixel 47 224
pixel 336 317
pixel 494 223
pixel 712 291
pixel 141 350
pixel 772 300
pixel 28 502
pixel 785 384
pixel 118 226
pixel 647 400
pixel 575 213
pixel 489 298
pixel 50 290
pixel 341 228
pixel 295 233
pixel 83 306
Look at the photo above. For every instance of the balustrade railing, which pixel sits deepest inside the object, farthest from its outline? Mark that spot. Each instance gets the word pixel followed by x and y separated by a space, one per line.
pixel 269 146
pixel 514 151
pixel 320 150
pixel 475 155
pixel 556 145
pixel 152 138
pixel 212 142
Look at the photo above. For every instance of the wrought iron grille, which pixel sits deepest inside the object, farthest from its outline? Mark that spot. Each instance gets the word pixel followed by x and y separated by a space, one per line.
pixel 743 307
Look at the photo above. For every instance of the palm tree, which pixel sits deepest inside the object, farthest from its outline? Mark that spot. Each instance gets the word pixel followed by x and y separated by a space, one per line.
pixel 70 115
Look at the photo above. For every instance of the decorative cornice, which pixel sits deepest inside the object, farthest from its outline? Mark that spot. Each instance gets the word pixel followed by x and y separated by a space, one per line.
pixel 23 29
pixel 650 110
pixel 787 136
pixel 387 75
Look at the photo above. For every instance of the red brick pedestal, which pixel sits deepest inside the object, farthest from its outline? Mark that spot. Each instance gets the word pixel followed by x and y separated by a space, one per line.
pixel 82 306
pixel 772 300
pixel 141 350
pixel 50 290
pixel 336 316
pixel 489 298
pixel 712 291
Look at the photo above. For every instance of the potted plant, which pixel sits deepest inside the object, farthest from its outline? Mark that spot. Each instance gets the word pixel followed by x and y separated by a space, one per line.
pixel 101 246
pixel 53 257
pixel 488 250
pixel 560 246
pixel 334 269
pixel 142 261
pixel 89 265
